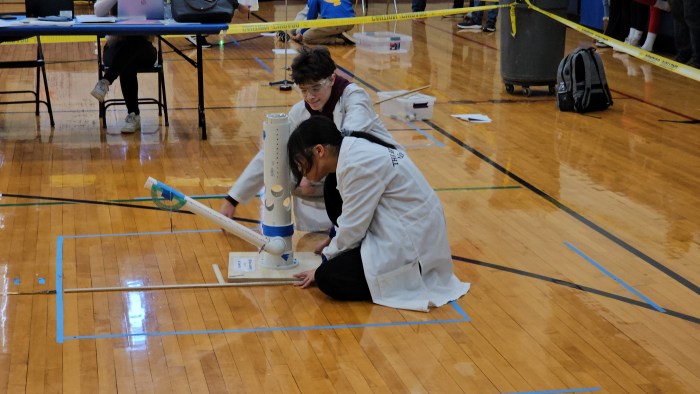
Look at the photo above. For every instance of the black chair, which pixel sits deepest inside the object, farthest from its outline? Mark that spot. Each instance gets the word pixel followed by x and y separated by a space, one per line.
pixel 161 102
pixel 40 67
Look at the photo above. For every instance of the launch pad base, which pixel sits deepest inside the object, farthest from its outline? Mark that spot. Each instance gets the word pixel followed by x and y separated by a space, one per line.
pixel 247 267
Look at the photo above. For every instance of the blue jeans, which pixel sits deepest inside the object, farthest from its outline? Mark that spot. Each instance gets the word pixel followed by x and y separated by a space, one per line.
pixel 606 9
pixel 477 16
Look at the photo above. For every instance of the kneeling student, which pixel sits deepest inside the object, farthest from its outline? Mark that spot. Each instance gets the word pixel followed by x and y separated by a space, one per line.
pixel 391 242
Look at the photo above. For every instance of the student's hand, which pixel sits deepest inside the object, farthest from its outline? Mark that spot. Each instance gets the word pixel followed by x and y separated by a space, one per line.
pixel 319 247
pixel 309 189
pixel 298 38
pixel 243 8
pixel 306 278
pixel 227 209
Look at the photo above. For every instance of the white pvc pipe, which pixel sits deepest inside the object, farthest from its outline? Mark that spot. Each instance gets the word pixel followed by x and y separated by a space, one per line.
pixel 275 245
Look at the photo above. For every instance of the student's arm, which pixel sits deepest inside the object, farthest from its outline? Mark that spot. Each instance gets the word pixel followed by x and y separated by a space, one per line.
pixel 358 112
pixel 102 7
pixel 361 190
pixel 246 186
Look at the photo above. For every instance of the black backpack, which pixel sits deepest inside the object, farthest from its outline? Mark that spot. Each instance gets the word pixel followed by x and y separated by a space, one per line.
pixel 581 83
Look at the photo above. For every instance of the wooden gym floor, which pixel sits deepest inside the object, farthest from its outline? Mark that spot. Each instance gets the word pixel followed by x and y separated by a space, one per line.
pixel 579 233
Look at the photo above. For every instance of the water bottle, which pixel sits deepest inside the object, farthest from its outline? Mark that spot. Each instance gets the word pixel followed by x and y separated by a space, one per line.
pixel 168 14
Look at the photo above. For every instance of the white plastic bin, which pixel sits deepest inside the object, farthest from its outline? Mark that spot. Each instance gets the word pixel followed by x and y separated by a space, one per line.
pixel 411 107
pixel 375 61
pixel 383 42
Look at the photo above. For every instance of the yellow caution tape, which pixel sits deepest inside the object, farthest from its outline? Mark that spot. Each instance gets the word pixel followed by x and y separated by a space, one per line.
pixel 639 53
pixel 513 28
pixel 306 24
pixel 289 25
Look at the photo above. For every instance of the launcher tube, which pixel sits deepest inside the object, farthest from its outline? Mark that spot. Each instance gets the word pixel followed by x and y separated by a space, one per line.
pixel 272 245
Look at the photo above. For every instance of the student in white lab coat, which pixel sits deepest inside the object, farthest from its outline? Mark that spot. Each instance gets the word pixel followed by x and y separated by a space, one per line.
pixel 391 241
pixel 325 93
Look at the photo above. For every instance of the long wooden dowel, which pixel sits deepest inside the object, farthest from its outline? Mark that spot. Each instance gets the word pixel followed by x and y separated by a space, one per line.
pixel 186 286
pixel 403 94
pixel 280 281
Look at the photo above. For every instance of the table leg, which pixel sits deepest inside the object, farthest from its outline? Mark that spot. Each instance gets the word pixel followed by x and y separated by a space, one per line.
pixel 200 86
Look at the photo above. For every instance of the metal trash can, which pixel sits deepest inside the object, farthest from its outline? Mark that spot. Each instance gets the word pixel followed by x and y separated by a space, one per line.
pixel 532 57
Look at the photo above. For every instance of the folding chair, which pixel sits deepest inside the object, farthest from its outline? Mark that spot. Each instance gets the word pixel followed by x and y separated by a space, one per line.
pixel 40 67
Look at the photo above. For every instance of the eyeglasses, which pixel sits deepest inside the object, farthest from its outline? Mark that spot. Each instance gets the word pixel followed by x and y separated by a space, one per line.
pixel 314 89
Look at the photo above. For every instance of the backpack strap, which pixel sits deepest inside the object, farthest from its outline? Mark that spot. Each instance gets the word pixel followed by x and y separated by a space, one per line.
pixel 582 94
pixel 598 63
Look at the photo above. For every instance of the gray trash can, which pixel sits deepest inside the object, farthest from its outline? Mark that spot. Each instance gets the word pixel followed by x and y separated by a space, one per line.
pixel 532 57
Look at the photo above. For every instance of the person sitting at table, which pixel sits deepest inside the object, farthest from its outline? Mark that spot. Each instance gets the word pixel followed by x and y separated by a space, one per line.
pixel 124 55
pixel 390 244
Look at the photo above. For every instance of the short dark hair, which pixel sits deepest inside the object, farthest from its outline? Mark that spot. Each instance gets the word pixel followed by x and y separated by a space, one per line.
pixel 312 64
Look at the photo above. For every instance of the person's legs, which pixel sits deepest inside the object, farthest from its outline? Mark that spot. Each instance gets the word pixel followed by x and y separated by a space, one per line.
pixel 135 53
pixel 418 5
pixel 681 31
pixel 325 35
pixel 343 277
pixel 123 60
pixel 639 18
pixel 606 19
pixel 474 20
pixel 654 22
pixel 478 16
pixel 619 24
pixel 606 14
pixel 691 9
pixel 491 17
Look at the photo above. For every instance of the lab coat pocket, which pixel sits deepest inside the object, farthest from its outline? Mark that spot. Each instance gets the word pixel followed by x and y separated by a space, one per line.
pixel 401 283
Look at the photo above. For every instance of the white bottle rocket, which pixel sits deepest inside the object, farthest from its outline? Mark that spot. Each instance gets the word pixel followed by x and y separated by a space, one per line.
pixel 277 203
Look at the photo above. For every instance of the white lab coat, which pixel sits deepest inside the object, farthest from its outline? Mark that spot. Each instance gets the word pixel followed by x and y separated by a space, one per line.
pixel 353 112
pixel 391 210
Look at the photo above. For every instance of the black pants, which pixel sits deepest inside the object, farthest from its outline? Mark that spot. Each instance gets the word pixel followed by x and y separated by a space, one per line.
pixel 686 25
pixel 639 16
pixel 124 58
pixel 343 276
pixel 619 22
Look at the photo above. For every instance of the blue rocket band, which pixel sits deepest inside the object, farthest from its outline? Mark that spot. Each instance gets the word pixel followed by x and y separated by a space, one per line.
pixel 278 231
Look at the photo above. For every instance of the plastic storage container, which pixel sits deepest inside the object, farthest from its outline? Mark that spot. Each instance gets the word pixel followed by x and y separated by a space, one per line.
pixel 383 42
pixel 532 57
pixel 374 61
pixel 412 107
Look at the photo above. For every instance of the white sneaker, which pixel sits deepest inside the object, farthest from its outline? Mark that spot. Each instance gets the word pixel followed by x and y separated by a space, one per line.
pixel 132 123
pixel 633 41
pixel 347 38
pixel 193 41
pixel 100 90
